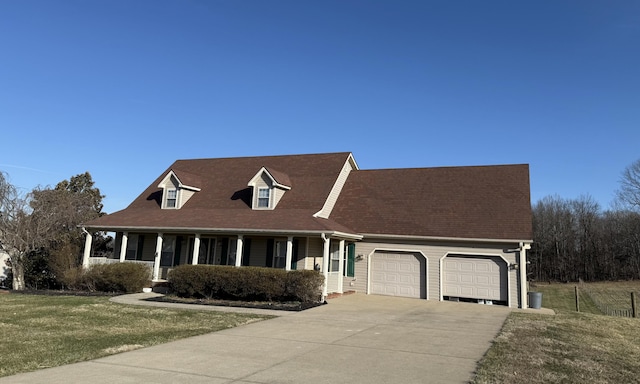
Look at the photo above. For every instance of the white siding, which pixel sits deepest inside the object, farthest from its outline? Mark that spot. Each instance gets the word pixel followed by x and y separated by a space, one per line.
pixel 333 282
pixel 184 196
pixel 315 253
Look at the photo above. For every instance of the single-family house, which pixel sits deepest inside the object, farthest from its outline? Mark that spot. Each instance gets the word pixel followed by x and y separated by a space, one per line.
pixel 446 233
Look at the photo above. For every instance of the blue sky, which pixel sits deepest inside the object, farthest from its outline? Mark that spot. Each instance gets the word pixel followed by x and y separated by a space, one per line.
pixel 123 88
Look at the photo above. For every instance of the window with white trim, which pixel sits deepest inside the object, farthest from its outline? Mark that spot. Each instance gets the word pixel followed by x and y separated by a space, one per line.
pixel 264 195
pixel 168 251
pixel 280 254
pixel 172 198
pixel 132 248
pixel 334 261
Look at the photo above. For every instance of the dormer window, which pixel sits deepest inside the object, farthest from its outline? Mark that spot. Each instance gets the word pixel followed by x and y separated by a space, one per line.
pixel 172 197
pixel 268 188
pixel 263 197
pixel 175 193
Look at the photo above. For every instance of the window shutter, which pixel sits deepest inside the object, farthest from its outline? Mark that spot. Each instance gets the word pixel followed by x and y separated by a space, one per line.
pixel 269 253
pixel 246 252
pixel 294 257
pixel 139 250
pixel 351 259
pixel 177 251
pixel 225 252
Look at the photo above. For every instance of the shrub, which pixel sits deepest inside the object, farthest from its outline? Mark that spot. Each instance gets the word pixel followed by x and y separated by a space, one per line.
pixel 246 283
pixel 119 277
pixel 305 285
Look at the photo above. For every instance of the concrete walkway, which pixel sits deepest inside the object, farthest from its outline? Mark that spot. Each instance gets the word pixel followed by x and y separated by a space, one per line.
pixel 354 339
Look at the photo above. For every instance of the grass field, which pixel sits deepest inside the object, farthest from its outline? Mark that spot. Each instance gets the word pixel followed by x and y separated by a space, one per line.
pixel 46 331
pixel 615 295
pixel 570 347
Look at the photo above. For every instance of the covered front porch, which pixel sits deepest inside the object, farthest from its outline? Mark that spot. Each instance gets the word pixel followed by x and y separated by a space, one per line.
pixel 332 254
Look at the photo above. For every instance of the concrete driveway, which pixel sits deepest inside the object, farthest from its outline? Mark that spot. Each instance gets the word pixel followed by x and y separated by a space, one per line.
pixel 354 339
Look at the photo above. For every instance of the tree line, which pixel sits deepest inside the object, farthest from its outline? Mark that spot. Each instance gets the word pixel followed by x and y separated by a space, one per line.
pixel 575 239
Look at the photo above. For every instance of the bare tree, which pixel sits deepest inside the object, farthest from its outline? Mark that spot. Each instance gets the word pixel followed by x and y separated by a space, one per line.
pixel 19 233
pixel 629 192
pixel 45 218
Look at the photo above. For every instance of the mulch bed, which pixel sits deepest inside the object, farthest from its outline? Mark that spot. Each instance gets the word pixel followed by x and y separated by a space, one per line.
pixel 284 306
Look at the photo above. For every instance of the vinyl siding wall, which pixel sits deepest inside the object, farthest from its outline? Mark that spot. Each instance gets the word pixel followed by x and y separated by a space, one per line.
pixel 434 252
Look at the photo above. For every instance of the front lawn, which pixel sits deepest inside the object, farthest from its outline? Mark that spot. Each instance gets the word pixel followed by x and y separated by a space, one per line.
pixel 46 331
pixel 569 347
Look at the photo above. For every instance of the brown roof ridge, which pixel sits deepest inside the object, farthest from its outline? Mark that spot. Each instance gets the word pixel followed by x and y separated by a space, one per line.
pixel 446 167
pixel 265 157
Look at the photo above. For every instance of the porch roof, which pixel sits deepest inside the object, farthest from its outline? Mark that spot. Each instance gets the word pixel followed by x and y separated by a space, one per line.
pixel 220 220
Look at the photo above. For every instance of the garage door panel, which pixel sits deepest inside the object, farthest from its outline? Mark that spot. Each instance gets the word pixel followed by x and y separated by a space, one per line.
pixel 475 277
pixel 398 274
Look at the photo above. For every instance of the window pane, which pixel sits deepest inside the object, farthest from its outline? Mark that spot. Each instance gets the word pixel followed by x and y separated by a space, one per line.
pixel 172 195
pixel 263 197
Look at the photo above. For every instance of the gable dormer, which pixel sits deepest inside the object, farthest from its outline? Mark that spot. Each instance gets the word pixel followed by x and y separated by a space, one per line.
pixel 175 193
pixel 268 188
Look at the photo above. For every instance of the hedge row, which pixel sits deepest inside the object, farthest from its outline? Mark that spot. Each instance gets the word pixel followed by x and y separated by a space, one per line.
pixel 118 277
pixel 246 283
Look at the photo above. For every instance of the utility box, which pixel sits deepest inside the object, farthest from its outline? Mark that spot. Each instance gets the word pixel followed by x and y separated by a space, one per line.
pixel 535 300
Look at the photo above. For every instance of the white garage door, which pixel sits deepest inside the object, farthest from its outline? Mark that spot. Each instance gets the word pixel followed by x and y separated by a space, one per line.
pixel 398 274
pixel 475 277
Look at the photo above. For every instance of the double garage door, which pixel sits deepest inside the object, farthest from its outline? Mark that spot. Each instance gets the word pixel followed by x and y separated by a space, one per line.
pixel 470 277
pixel 398 274
pixel 475 277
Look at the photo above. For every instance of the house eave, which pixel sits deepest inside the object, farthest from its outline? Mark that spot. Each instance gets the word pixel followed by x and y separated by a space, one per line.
pixel 244 231
pixel 443 238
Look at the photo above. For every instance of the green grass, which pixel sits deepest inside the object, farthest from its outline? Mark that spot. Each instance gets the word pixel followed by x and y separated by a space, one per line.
pixel 46 331
pixel 561 298
pixel 569 347
pixel 615 295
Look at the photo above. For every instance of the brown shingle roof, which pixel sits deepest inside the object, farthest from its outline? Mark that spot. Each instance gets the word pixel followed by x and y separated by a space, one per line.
pixel 279 177
pixel 224 200
pixel 487 202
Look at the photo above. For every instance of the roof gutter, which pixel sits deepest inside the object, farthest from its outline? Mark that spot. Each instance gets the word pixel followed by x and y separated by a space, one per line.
pixel 339 234
pixel 443 238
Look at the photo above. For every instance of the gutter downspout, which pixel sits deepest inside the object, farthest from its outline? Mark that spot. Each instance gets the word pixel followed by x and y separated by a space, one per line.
pixel 522 263
pixel 325 264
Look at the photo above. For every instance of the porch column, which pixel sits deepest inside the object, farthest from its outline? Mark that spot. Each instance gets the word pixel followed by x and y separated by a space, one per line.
pixel 196 249
pixel 239 244
pixel 87 250
pixel 341 266
pixel 325 264
pixel 287 263
pixel 123 246
pixel 156 264
pixel 523 273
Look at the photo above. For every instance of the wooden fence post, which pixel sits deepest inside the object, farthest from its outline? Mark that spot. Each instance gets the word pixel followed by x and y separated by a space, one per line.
pixel 634 311
pixel 577 299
